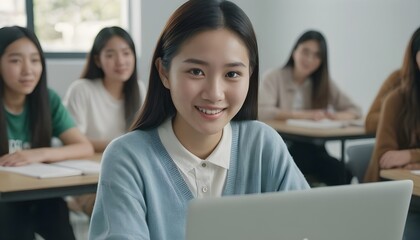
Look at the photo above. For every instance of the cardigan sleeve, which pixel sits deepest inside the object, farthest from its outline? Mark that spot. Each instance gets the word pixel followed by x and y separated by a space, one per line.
pixel 387 134
pixel 372 118
pixel 120 208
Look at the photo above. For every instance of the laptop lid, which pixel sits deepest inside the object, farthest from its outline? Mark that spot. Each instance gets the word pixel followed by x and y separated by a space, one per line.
pixel 350 212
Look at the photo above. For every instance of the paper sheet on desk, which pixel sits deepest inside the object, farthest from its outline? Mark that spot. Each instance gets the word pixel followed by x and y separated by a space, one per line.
pixel 323 124
pixel 416 172
pixel 86 166
pixel 42 170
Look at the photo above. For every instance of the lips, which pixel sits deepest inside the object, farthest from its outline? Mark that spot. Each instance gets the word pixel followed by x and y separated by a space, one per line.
pixel 121 70
pixel 210 111
pixel 26 82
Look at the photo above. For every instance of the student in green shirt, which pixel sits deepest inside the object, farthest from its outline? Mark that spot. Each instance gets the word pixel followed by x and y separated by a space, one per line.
pixel 30 115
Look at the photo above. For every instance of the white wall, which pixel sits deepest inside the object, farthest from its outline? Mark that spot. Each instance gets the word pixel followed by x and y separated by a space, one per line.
pixel 366 38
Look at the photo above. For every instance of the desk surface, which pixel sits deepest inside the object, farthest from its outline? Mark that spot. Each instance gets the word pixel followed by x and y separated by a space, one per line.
pixel 401 174
pixel 16 187
pixel 288 131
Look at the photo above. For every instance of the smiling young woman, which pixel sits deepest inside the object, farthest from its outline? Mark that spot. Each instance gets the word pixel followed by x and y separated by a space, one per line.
pixel 195 136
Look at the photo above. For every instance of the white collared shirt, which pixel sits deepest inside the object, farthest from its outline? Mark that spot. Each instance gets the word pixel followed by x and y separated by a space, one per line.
pixel 205 178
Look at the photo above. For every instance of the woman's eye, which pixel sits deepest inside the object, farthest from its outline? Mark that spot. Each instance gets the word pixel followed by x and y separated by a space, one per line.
pixel 232 75
pixel 196 72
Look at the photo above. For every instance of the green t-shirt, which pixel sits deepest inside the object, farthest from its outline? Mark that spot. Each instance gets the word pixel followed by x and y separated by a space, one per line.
pixel 18 130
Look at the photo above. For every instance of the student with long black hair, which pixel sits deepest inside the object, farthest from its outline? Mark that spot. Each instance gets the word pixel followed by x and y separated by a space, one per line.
pixel 30 115
pixel 303 89
pixel 195 136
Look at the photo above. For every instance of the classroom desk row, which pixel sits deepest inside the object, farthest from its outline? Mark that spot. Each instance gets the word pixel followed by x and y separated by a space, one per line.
pixel 14 187
pixel 320 136
pixel 402 174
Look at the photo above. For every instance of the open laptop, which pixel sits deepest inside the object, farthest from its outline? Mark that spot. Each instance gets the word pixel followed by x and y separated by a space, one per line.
pixel 374 211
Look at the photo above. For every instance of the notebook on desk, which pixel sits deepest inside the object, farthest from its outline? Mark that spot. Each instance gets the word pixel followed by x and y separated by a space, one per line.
pixel 321 124
pixel 65 168
pixel 363 211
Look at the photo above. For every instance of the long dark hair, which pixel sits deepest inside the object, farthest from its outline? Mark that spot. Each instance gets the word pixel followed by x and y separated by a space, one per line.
pixel 92 71
pixel 410 74
pixel 193 17
pixel 320 77
pixel 37 101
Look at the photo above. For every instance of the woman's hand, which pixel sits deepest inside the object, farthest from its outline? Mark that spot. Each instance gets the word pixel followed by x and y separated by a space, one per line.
pixel 412 166
pixel 22 157
pixel 395 159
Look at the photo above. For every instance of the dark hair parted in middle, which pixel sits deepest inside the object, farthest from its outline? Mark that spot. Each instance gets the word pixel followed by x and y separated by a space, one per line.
pixel 93 71
pixel 320 77
pixel 38 101
pixel 410 74
pixel 193 17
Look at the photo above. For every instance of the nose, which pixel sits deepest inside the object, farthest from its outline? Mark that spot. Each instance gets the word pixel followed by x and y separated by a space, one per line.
pixel 120 59
pixel 27 67
pixel 213 89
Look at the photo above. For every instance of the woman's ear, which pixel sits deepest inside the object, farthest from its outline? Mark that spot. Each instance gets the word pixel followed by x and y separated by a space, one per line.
pixel 162 73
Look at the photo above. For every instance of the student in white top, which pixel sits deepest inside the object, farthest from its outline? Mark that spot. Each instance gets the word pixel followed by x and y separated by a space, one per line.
pixel 302 89
pixel 106 99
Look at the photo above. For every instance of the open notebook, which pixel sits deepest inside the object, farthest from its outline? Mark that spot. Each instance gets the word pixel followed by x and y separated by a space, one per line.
pixel 59 169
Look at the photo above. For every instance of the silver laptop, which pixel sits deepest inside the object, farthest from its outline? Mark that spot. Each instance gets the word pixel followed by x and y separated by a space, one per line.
pixel 374 211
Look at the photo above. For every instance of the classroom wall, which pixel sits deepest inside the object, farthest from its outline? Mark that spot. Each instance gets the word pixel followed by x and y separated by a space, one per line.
pixel 366 39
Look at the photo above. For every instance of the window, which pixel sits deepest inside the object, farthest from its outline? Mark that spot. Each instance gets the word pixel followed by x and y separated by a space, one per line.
pixel 12 13
pixel 65 28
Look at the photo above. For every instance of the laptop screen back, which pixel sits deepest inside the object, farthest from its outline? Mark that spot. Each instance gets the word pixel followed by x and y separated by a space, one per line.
pixel 362 211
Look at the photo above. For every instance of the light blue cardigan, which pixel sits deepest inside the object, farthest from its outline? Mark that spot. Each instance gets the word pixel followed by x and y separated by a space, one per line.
pixel 142 195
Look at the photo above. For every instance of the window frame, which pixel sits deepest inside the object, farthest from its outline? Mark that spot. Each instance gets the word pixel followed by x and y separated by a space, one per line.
pixel 30 24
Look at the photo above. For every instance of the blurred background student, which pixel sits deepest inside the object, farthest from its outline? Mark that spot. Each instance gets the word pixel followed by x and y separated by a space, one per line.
pixel 372 118
pixel 398 135
pixel 30 115
pixel 303 89
pixel 106 99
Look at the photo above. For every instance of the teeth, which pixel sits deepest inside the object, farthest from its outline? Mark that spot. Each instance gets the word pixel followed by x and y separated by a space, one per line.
pixel 209 112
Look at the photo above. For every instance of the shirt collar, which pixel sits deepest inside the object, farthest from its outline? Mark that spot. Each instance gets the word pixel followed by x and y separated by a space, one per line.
pixel 188 161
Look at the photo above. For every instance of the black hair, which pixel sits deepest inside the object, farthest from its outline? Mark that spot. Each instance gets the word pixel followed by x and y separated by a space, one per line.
pixel 93 71
pixel 193 17
pixel 37 101
pixel 320 77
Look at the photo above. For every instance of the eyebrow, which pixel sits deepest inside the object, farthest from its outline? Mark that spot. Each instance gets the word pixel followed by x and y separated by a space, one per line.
pixel 201 62
pixel 17 54
pixel 115 50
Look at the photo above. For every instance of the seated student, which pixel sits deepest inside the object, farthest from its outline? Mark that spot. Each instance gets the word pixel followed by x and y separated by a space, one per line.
pixel 31 115
pixel 390 84
pixel 398 135
pixel 195 137
pixel 104 102
pixel 302 89
pixel 361 154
